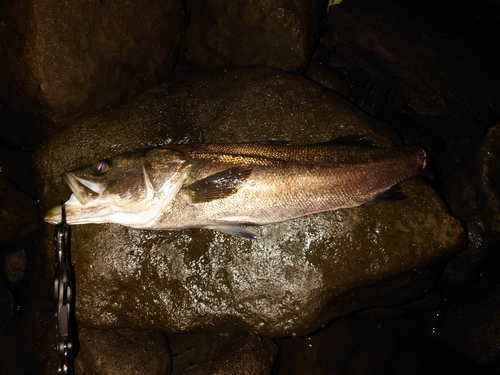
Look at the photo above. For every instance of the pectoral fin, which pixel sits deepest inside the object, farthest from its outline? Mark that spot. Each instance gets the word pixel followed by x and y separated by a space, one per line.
pixel 218 185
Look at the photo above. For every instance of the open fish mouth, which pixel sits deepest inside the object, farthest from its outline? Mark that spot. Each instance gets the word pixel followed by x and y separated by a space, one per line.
pixel 85 191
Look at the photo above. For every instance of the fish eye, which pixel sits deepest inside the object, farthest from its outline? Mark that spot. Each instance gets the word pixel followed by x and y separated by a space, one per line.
pixel 101 166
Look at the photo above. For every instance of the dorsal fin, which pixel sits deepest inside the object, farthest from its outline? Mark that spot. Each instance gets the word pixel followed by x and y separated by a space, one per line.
pixel 348 140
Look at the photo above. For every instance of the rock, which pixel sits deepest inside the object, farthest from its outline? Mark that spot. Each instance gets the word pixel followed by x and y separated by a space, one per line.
pixel 474 196
pixel 303 272
pixel 225 355
pixel 401 63
pixel 15 264
pixel 122 351
pixel 470 322
pixel 59 60
pixel 19 214
pixel 224 33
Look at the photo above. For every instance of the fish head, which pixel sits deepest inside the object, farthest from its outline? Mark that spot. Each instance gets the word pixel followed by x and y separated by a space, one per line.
pixel 129 189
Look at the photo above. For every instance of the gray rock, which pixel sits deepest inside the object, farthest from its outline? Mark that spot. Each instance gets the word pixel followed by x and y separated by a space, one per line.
pixel 59 60
pixel 224 33
pixel 206 354
pixel 300 275
pixel 122 351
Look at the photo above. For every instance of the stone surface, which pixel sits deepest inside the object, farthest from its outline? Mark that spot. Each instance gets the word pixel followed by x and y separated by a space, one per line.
pixel 299 276
pixel 206 354
pixel 59 60
pixel 122 351
pixel 281 34
pixel 15 264
pixel 474 195
pixel 19 216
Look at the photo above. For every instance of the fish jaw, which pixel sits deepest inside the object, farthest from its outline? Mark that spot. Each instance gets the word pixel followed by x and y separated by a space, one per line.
pixel 80 209
pixel 78 213
pixel 84 191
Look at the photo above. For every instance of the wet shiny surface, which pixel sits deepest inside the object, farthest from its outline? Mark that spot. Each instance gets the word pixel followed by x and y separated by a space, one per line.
pixel 300 275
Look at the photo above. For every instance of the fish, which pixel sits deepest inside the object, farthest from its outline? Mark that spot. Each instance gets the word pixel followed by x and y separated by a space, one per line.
pixel 231 187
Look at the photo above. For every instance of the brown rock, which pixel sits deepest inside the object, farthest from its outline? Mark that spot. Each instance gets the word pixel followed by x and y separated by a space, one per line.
pixel 204 354
pixel 61 59
pixel 300 275
pixel 15 264
pixel 281 34
pixel 122 351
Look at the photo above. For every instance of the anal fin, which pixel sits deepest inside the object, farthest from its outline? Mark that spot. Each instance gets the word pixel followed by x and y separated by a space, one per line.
pixel 235 230
pixel 394 194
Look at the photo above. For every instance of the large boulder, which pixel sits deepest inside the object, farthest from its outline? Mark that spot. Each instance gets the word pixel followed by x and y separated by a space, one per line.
pixel 300 275
pixel 61 59
pixel 205 354
pixel 122 351
pixel 281 34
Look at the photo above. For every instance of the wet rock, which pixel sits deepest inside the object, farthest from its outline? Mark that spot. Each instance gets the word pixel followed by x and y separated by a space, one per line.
pixel 470 322
pixel 122 351
pixel 15 264
pixel 19 216
pixel 225 355
pixel 59 60
pixel 300 275
pixel 474 196
pixel 224 33
pixel 401 63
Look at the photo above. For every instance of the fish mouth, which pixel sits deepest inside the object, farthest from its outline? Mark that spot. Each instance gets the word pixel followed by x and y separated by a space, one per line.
pixel 54 215
pixel 84 191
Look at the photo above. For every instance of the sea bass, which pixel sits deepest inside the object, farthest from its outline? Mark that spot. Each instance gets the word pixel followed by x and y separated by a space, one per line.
pixel 228 187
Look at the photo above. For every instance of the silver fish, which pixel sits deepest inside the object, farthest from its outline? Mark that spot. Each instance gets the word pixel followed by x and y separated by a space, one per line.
pixel 229 186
